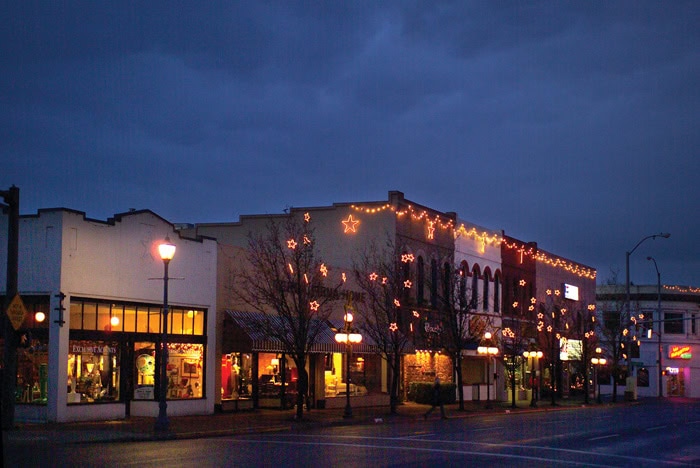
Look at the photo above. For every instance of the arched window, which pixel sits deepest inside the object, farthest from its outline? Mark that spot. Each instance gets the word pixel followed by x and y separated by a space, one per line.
pixel 433 283
pixel 487 280
pixel 497 293
pixel 475 287
pixel 446 283
pixel 463 273
pixel 420 289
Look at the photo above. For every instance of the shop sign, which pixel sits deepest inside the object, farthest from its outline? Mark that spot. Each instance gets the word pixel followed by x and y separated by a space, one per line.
pixel 680 352
pixel 16 312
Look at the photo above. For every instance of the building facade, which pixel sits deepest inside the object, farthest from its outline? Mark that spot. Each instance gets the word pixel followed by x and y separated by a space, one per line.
pixel 93 291
pixel 665 325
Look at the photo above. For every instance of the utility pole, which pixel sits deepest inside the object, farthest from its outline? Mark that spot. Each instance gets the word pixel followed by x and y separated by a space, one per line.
pixel 9 374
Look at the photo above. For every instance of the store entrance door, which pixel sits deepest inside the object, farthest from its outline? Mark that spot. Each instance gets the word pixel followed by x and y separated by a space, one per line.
pixel 675 384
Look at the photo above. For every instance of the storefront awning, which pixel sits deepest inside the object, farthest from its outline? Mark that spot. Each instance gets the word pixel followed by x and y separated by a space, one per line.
pixel 246 332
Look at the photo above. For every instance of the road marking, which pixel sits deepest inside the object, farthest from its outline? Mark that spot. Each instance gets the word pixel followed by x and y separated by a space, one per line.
pixel 604 437
pixel 655 428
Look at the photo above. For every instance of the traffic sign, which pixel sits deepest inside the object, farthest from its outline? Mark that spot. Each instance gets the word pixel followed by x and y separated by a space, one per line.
pixel 16 312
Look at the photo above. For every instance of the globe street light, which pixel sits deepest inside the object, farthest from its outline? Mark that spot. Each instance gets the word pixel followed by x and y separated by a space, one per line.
pixel 166 250
pixel 658 312
pixel 532 354
pixel 598 361
pixel 488 350
pixel 348 335
pixel 665 235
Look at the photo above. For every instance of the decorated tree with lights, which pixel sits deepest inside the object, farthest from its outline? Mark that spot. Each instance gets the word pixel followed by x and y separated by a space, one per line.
pixel 379 274
pixel 554 322
pixel 284 280
pixel 517 332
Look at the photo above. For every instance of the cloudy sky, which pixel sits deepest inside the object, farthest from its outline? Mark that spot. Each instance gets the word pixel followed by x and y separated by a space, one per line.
pixel 573 124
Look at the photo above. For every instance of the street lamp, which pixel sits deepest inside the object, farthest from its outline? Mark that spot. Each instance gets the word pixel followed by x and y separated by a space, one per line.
pixel 488 350
pixel 665 235
pixel 598 361
pixel 651 331
pixel 532 354
pixel 348 335
pixel 166 250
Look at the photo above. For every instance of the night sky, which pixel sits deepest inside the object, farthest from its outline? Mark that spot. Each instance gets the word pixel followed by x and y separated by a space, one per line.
pixel 573 124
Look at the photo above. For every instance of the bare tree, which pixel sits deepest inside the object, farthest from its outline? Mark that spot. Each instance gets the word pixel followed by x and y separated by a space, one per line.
pixel 378 274
pixel 285 281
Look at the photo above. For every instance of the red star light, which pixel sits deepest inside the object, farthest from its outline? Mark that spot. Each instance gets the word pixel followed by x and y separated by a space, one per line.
pixel 393 327
pixel 373 276
pixel 307 217
pixel 397 303
pixel 407 284
pixel 314 305
pixel 292 244
pixel 324 269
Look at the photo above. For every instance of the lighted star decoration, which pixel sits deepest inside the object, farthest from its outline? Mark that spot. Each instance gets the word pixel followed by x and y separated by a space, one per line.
pixel 522 282
pixel 407 284
pixel 373 276
pixel 531 308
pixel 314 305
pixel 385 280
pixel 291 268
pixel 431 229
pixel 307 241
pixel 306 278
pixel 515 304
pixel 533 300
pixel 540 316
pixel 344 277
pixel 591 306
pixel 407 258
pixel 324 269
pixel 549 292
pixel 549 328
pixel 393 327
pixel 350 224
pixel 563 311
pixel 416 314
pixel 557 292
pixel 292 244
pixel 307 217
pixel 397 303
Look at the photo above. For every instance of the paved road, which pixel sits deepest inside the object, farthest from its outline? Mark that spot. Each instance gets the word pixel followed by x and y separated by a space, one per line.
pixel 665 433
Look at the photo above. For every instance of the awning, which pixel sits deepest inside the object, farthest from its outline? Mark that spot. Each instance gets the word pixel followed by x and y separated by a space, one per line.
pixel 245 332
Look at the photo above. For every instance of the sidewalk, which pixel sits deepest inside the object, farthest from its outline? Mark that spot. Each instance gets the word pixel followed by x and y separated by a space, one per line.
pixel 253 421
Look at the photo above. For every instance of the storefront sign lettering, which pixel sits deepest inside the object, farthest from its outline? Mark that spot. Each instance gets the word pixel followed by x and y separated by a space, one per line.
pixel 680 352
pixel 93 349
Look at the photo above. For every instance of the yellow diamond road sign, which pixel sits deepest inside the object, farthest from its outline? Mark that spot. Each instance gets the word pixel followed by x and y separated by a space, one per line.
pixel 16 312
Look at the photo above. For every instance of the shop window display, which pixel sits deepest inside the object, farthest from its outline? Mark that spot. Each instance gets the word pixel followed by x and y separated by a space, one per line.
pixel 32 371
pixel 365 375
pixel 277 372
pixel 93 371
pixel 145 370
pixel 185 365
pixel 236 376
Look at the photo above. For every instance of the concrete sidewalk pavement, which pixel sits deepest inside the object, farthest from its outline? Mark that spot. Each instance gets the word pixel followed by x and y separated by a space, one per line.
pixel 248 422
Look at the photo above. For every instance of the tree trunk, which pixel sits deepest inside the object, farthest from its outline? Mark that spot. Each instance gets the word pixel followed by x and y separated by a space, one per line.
pixel 394 386
pixel 458 373
pixel 302 388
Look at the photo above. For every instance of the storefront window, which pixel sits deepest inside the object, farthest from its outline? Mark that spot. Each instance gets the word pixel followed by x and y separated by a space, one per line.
pixel 185 365
pixel 93 371
pixel 277 372
pixel 236 376
pixel 144 370
pixel 365 374
pixel 32 371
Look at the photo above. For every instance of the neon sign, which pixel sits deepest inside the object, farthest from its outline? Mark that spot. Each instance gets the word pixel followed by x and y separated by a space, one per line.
pixel 679 352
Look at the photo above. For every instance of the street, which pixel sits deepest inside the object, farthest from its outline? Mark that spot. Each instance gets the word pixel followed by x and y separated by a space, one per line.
pixel 651 433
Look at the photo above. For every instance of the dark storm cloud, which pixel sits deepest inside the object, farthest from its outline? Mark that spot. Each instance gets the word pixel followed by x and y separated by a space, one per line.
pixel 569 123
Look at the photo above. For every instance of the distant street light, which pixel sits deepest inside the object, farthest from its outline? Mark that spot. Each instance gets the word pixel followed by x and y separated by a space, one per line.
pixel 348 335
pixel 665 235
pixel 489 351
pixel 598 361
pixel 166 250
pixel 533 354
pixel 658 315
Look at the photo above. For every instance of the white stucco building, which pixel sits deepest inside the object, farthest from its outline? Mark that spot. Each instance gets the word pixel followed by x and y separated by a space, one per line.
pixel 101 362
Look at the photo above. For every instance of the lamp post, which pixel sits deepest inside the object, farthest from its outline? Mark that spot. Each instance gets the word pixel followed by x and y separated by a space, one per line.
pixel 166 250
pixel 665 235
pixel 532 354
pixel 489 350
pixel 597 361
pixel 658 312
pixel 348 335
